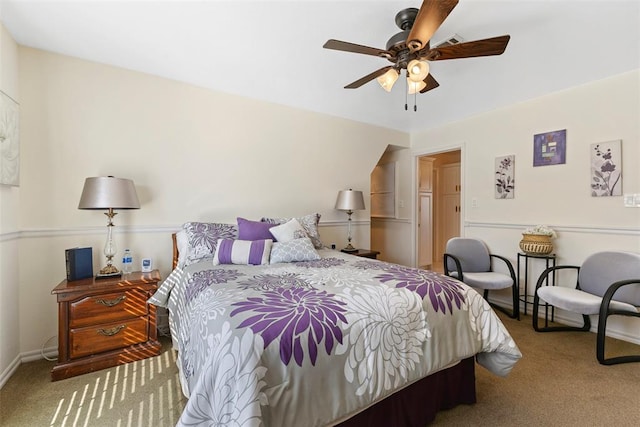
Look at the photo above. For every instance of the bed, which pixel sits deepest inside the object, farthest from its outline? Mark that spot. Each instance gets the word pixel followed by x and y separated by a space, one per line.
pixel 289 333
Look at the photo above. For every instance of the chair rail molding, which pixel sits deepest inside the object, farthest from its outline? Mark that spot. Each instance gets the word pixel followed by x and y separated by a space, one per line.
pixel 597 229
pixel 128 229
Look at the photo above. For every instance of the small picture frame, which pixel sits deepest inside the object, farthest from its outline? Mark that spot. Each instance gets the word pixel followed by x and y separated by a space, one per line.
pixel 146 265
pixel 606 169
pixel 505 182
pixel 549 148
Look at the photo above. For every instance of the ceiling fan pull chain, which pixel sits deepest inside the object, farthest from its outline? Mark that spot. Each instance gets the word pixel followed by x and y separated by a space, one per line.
pixel 406 96
pixel 415 102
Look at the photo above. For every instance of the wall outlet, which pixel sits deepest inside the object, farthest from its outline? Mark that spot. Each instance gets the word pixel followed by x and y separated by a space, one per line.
pixel 474 202
pixel 632 200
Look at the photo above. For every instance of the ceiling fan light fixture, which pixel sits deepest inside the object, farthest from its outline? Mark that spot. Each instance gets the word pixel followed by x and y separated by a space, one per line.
pixel 418 70
pixel 388 79
pixel 415 87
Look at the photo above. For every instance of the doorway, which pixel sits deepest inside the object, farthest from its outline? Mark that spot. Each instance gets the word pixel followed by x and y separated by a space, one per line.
pixel 438 206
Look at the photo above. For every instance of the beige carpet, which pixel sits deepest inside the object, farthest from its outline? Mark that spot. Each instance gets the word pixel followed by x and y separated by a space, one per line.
pixel 142 393
pixel 557 383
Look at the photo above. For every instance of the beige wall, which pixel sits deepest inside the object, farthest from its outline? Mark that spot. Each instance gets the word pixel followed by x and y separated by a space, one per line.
pixel 194 154
pixel 9 199
pixel 557 195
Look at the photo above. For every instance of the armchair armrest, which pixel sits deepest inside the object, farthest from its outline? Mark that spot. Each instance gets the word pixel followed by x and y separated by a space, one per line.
pixel 605 312
pixel 608 296
pixel 550 270
pixel 458 266
pixel 512 272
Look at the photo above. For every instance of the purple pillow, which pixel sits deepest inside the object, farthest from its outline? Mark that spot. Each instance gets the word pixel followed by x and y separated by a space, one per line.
pixel 254 230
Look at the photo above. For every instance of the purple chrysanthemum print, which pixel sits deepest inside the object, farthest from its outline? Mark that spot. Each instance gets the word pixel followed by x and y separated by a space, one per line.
pixel 441 290
pixel 203 279
pixel 295 315
pixel 322 263
pixel 266 282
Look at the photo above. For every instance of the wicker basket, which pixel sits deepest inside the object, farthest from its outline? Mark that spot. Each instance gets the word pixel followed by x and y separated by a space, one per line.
pixel 536 244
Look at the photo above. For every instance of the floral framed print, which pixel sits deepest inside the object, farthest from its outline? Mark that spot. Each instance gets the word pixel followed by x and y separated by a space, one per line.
pixel 505 177
pixel 549 148
pixel 9 141
pixel 606 169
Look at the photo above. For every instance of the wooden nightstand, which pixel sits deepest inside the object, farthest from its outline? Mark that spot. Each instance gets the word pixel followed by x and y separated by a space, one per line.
pixel 365 253
pixel 105 322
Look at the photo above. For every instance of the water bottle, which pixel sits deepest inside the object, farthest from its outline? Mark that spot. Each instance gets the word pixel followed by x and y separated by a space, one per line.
pixel 127 261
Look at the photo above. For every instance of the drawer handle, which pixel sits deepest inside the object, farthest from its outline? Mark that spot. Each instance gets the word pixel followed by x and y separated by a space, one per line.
pixel 111 332
pixel 111 302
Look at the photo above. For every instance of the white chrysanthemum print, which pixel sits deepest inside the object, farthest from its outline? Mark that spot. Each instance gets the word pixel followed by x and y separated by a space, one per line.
pixel 483 321
pixel 385 340
pixel 209 305
pixel 233 394
pixel 338 277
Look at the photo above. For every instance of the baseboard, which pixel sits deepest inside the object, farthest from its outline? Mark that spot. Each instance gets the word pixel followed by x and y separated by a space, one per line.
pixel 11 369
pixel 33 355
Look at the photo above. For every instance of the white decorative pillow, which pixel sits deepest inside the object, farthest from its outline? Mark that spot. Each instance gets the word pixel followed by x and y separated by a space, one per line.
pixel 288 231
pixel 309 223
pixel 254 252
pixel 293 251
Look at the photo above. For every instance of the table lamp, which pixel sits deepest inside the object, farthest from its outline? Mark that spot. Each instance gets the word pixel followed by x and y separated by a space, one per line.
pixel 108 192
pixel 349 201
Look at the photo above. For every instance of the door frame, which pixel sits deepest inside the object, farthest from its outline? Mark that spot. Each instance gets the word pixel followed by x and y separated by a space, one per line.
pixel 432 151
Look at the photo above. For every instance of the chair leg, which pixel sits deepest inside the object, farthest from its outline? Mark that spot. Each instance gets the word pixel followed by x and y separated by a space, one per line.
pixel 602 328
pixel 516 301
pixel 536 304
pixel 514 314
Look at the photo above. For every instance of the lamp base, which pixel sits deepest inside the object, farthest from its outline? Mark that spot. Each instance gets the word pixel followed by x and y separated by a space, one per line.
pixel 349 249
pixel 108 276
pixel 108 272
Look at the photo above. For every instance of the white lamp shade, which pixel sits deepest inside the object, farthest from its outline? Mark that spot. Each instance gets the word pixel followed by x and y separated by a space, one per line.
pixel 415 87
pixel 350 200
pixel 107 192
pixel 388 79
pixel 418 70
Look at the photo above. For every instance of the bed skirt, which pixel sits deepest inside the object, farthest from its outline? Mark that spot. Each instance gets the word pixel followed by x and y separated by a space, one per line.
pixel 418 404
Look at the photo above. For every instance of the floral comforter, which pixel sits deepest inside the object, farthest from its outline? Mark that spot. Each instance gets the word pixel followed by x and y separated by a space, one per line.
pixel 313 343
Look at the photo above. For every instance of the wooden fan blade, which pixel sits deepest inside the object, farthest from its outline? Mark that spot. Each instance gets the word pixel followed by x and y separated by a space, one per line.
pixel 485 47
pixel 431 15
pixel 356 48
pixel 431 83
pixel 368 78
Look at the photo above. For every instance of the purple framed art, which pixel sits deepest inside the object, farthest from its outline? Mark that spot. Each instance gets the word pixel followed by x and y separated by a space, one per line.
pixel 549 148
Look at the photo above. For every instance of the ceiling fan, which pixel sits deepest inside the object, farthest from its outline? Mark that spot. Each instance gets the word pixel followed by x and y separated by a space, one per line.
pixel 410 50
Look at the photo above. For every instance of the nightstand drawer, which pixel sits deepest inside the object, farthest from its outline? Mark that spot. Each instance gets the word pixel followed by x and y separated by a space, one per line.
pixel 108 308
pixel 105 322
pixel 109 336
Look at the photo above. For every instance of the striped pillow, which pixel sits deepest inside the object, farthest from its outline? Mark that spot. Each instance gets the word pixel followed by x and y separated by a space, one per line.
pixel 254 252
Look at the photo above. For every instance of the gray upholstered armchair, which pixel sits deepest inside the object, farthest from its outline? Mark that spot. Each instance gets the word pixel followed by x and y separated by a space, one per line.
pixel 607 283
pixel 470 261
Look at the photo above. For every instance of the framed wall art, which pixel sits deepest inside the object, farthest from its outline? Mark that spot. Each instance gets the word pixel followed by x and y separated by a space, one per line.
pixel 505 177
pixel 606 169
pixel 9 141
pixel 550 148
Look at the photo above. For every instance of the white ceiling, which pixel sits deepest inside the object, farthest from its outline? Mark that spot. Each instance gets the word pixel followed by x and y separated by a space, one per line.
pixel 272 50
